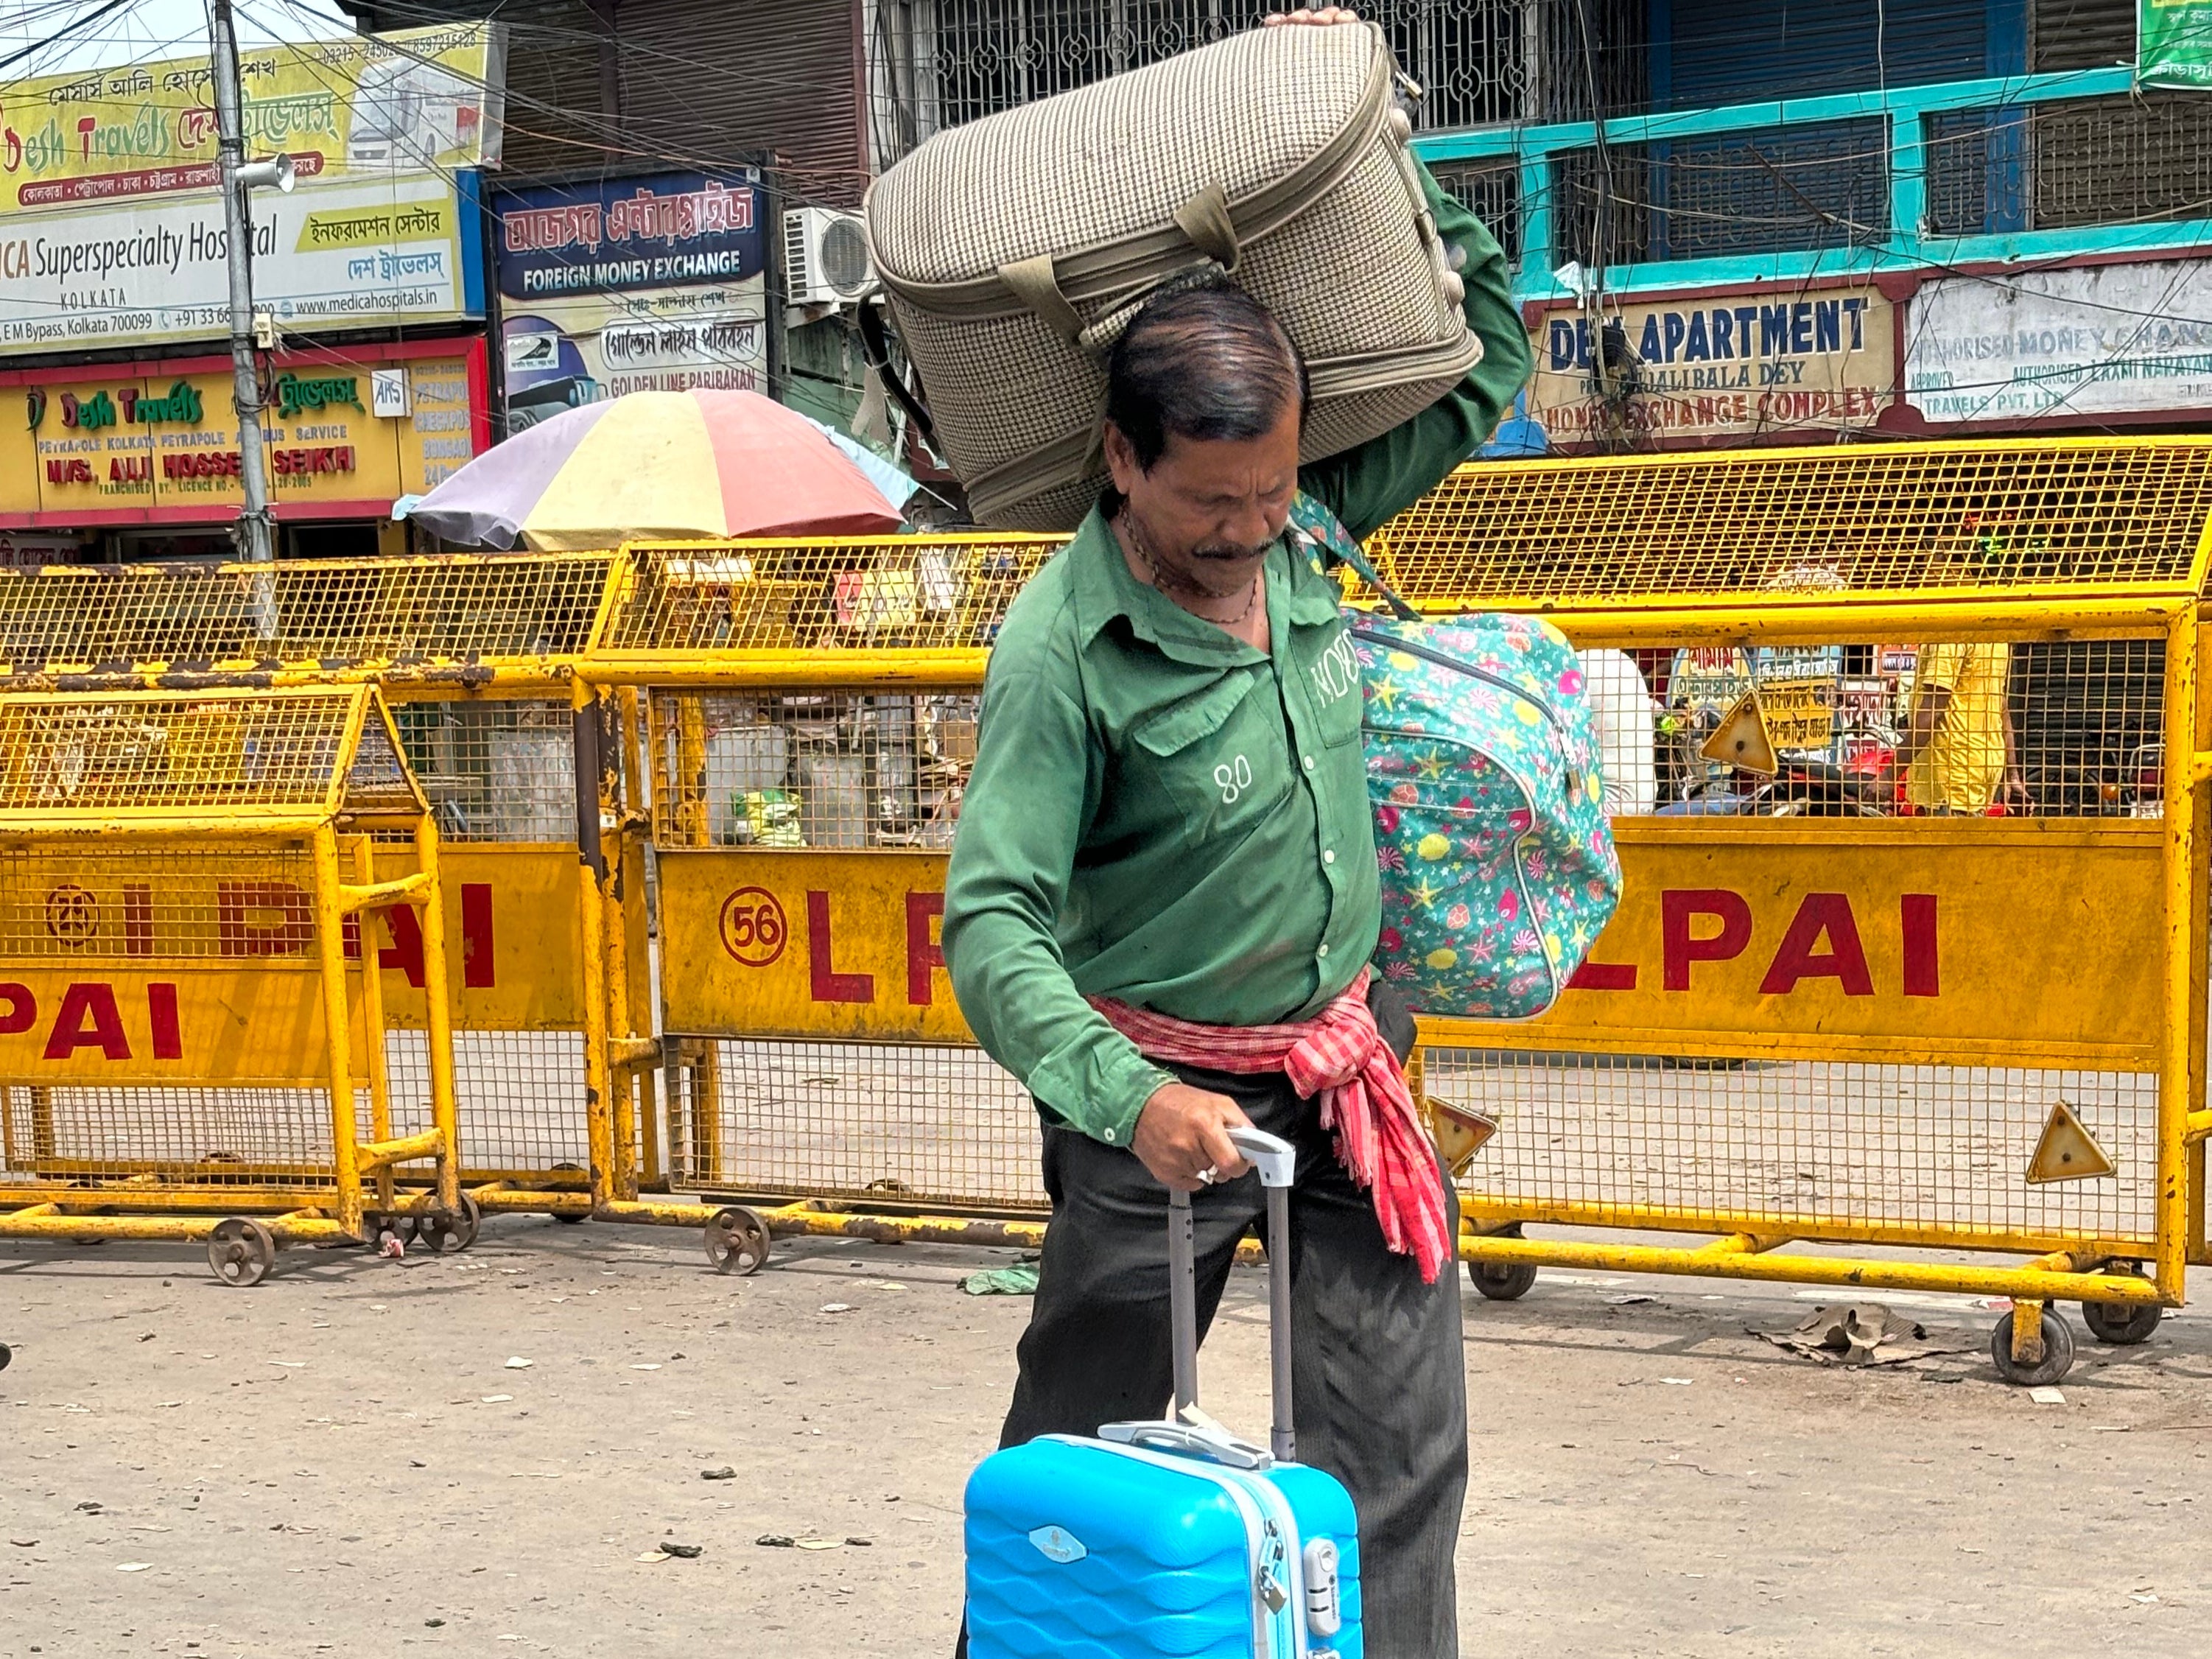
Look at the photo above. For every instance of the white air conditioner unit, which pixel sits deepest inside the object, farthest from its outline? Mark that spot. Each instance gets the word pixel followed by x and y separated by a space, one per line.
pixel 825 256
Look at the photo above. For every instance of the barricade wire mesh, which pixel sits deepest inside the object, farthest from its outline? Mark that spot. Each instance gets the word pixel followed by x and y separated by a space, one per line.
pixel 812 768
pixel 90 753
pixel 97 910
pixel 907 593
pixel 117 906
pixel 1865 519
pixel 184 1138
pixel 502 773
pixel 495 771
pixel 1865 728
pixel 449 608
pixel 522 1099
pixel 926 1123
pixel 1793 1148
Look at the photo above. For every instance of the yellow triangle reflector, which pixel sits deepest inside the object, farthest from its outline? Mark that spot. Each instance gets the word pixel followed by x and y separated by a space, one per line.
pixel 2067 1151
pixel 1460 1133
pixel 1742 739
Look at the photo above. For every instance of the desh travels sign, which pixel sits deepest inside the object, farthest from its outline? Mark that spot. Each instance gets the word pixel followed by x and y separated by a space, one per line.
pixel 158 443
pixel 415 100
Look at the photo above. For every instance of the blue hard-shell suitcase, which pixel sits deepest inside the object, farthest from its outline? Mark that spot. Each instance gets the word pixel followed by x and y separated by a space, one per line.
pixel 1170 1538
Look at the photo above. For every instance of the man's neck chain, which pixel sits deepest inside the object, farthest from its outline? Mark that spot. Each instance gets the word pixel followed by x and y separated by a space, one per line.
pixel 1168 584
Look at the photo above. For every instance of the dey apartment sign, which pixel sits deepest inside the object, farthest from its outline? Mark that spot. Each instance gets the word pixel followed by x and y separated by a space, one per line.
pixel 1792 360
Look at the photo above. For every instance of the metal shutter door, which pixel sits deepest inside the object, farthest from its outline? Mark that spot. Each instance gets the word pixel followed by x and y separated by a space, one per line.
pixel 1706 52
pixel 708 83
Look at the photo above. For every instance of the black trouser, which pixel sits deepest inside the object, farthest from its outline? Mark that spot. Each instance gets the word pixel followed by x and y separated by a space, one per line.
pixel 1380 1387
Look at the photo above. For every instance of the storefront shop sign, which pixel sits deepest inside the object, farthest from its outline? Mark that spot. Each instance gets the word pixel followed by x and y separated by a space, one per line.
pixel 651 284
pixel 2174 43
pixel 1788 361
pixel 325 256
pixel 416 99
pixel 2068 344
pixel 158 443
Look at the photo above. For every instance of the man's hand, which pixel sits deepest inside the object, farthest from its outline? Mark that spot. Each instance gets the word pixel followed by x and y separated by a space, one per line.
pixel 1182 1131
pixel 2012 794
pixel 1311 14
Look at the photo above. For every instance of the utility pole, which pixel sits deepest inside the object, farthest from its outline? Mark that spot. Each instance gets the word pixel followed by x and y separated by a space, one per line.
pixel 254 538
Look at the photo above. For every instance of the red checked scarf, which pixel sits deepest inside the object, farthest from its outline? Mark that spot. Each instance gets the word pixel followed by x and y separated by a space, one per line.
pixel 1339 1055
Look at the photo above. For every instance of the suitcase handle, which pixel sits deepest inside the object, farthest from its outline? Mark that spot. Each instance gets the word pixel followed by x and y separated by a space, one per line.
pixel 1277 1162
pixel 1191 1440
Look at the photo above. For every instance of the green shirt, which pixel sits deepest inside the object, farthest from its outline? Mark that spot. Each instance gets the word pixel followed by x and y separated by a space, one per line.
pixel 1159 813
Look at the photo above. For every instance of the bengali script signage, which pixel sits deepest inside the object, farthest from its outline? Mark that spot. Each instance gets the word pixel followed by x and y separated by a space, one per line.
pixel 649 285
pixel 361 254
pixel 412 100
pixel 164 437
pixel 1725 366
pixel 2174 43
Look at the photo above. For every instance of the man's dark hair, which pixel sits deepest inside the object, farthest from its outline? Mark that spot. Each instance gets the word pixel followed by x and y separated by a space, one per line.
pixel 1202 361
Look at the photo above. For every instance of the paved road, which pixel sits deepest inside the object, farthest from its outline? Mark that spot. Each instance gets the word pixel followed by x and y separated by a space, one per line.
pixel 340 1457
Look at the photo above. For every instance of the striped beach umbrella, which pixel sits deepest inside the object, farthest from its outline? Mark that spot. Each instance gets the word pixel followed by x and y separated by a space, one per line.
pixel 702 464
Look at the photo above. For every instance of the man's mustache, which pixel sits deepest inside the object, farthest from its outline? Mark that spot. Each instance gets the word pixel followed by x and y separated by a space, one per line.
pixel 1224 553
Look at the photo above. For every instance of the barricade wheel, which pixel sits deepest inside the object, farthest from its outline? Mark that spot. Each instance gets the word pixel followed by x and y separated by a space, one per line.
pixel 1503 1281
pixel 2122 1324
pixel 447 1230
pixel 563 1215
pixel 2058 1352
pixel 242 1251
pixel 6 1354
pixel 737 1241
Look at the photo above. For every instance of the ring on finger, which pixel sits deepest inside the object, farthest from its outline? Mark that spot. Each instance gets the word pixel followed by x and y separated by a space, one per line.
pixel 1209 1175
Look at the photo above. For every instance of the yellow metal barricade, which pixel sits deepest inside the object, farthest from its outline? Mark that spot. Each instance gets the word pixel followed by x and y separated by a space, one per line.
pixel 474 651
pixel 1833 1007
pixel 809 711
pixel 185 1052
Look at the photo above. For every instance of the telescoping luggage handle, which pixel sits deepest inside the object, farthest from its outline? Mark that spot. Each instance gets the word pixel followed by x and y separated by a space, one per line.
pixel 1276 1159
pixel 1277 1162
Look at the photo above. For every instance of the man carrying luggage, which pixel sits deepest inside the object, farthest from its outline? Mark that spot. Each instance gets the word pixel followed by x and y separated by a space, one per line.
pixel 1167 833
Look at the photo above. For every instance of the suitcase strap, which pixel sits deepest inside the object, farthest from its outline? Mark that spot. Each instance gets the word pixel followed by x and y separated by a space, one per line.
pixel 1073 456
pixel 1212 227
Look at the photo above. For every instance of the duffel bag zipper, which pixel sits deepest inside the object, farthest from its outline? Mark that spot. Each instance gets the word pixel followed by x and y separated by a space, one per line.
pixel 1389 642
pixel 1430 653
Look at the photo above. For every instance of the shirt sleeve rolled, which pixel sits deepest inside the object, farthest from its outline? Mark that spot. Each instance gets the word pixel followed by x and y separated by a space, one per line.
pixel 1032 791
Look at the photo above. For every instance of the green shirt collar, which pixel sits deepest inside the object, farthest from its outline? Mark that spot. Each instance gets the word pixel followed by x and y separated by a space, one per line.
pixel 1104 589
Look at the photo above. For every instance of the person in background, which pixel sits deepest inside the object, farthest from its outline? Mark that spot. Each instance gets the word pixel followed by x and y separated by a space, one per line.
pixel 1163 899
pixel 1627 732
pixel 1957 752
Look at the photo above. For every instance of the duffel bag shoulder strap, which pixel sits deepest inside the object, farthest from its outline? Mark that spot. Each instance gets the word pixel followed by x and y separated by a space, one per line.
pixel 1323 528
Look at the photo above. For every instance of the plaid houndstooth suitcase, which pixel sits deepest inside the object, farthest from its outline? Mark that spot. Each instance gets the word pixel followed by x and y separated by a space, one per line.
pixel 1014 249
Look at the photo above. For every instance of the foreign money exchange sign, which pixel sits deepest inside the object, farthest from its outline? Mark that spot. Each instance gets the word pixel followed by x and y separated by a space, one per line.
pixel 365 253
pixel 644 284
pixel 414 100
pixel 2077 344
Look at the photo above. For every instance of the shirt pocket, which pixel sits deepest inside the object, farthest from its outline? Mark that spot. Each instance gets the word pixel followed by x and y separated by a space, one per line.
pixel 1220 755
